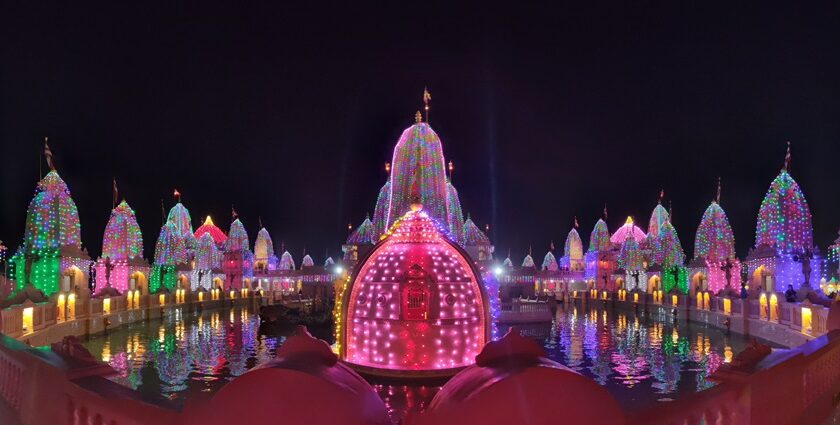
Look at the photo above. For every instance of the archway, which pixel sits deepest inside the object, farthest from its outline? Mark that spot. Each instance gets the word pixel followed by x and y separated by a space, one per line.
pixel 619 283
pixel 699 283
pixel 75 281
pixel 761 278
pixel 218 283
pixel 654 284
pixel 138 282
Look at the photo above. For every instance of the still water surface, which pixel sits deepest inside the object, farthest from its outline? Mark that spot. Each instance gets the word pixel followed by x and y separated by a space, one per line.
pixel 641 359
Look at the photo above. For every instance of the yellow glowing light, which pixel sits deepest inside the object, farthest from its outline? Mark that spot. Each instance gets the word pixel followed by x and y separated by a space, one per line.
pixel 200 296
pixel 806 320
pixel 27 319
pixel 727 354
pixel 635 297
pixel 162 299
pixel 675 300
pixel 727 306
pixel 61 307
pixel 106 306
pixel 71 306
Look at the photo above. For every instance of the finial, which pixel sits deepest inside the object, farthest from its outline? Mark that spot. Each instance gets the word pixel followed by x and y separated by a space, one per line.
pixel 787 158
pixel 451 168
pixel 661 195
pixel 487 228
pixel 717 198
pixel 176 195
pixel 162 213
pixel 576 223
pixel 233 214
pixel 259 220
pixel 208 221
pixel 629 220
pixel 387 167
pixel 605 212
pixel 418 117
pixel 426 98
pixel 116 193
pixel 670 211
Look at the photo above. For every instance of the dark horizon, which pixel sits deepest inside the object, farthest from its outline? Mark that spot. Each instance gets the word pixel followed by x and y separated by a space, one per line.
pixel 290 115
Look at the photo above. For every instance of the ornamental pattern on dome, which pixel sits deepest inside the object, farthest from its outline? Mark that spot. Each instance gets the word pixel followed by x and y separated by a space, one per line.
pixel 286 261
pixel 599 239
pixel 667 249
pixel 237 238
pixel 508 262
pixel 549 262
pixel 307 261
pixel 52 220
pixel 207 254
pixel 363 235
pixel 627 230
pixel 329 262
pixel 658 218
pixel 263 247
pixel 122 239
pixel 418 169
pixel 455 216
pixel 528 261
pixel 784 220
pixel 574 246
pixel 714 240
pixel 179 216
pixel 215 232
pixel 380 212
pixel 423 297
pixel 630 256
pixel 170 248
pixel 473 236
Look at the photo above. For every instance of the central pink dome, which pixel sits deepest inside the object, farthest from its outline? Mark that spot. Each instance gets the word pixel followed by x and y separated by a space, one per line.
pixel 416 305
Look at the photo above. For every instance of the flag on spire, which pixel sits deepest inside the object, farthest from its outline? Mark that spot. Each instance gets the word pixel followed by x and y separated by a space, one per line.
pixel 233 214
pixel 661 194
pixel 576 223
pixel 259 220
pixel 787 157
pixel 177 195
pixel 426 98
pixel 116 193
pixel 551 247
pixel 717 198
pixel 605 212
pixel 48 154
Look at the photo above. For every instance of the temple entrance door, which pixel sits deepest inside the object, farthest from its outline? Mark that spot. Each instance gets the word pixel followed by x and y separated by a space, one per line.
pixel 416 294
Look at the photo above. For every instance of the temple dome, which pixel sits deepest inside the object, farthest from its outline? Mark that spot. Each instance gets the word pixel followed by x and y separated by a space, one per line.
pixel 286 261
pixel 714 240
pixel 237 238
pixel 455 216
pixel 380 212
pixel 215 232
pixel 418 168
pixel 528 261
pixel 473 236
pixel 630 255
pixel 514 381
pixel 599 239
pixel 263 247
pixel 329 262
pixel 508 262
pixel 307 261
pixel 549 262
pixel 363 235
pixel 179 216
pixel 627 230
pixel 52 220
pixel 667 247
pixel 574 246
pixel 122 239
pixel 317 389
pixel 658 217
pixel 170 248
pixel 207 254
pixel 425 295
pixel 784 219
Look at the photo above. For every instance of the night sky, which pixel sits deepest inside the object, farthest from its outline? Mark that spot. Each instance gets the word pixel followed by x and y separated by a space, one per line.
pixel 290 113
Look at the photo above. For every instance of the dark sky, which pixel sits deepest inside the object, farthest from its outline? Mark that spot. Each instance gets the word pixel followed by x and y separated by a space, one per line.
pixel 289 112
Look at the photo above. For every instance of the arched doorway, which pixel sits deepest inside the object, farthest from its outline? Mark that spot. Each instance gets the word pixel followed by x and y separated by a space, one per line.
pixel 762 278
pixel 699 283
pixel 74 280
pixel 619 283
pixel 218 283
pixel 183 282
pixel 138 282
pixel 654 284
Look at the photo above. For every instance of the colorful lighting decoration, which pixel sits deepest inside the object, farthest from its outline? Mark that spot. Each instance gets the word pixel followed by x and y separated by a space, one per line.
pixel 658 218
pixel 380 212
pixel 286 261
pixel 628 230
pixel 455 217
pixel 473 236
pixel 549 262
pixel 364 234
pixel 599 239
pixel 52 220
pixel 714 240
pixel 123 239
pixel 179 216
pixel 573 251
pixel 215 232
pixel 264 258
pixel 784 220
pixel 417 304
pixel 630 255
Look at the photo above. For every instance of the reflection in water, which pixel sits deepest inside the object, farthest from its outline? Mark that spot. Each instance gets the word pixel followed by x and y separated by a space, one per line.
pixel 639 358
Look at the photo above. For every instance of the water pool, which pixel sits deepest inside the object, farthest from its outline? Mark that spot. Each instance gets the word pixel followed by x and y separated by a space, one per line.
pixel 640 358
